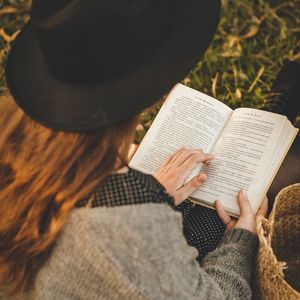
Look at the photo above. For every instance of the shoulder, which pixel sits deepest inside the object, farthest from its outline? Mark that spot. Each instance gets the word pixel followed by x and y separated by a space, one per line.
pixel 125 217
pixel 143 228
pixel 138 250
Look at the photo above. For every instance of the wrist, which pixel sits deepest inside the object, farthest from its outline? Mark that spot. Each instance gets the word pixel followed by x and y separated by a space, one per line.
pixel 241 236
pixel 247 224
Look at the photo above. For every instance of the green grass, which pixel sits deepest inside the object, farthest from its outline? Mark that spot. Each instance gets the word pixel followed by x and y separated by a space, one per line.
pixel 253 40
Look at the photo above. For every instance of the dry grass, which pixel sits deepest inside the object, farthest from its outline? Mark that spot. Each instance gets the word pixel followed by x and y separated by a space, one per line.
pixel 253 40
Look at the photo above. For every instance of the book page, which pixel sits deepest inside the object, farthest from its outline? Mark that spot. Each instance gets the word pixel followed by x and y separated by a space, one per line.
pixel 243 153
pixel 287 136
pixel 189 119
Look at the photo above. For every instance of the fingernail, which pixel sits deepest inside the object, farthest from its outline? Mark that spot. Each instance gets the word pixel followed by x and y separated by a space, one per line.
pixel 202 177
pixel 244 192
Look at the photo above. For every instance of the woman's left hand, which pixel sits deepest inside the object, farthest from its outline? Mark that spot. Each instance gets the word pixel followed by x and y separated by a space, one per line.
pixel 175 170
pixel 247 217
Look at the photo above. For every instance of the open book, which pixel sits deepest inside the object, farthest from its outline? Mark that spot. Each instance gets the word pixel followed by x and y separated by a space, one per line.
pixel 249 145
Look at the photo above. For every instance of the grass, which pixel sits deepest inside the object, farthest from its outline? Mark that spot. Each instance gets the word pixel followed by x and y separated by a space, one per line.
pixel 253 40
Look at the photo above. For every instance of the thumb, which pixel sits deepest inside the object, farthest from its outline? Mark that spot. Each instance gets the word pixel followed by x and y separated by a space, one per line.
pixel 244 204
pixel 184 192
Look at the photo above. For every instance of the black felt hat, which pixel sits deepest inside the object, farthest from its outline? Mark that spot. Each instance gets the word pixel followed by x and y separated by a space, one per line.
pixel 82 65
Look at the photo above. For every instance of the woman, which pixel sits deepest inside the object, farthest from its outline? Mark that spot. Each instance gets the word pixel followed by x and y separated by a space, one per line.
pixel 76 223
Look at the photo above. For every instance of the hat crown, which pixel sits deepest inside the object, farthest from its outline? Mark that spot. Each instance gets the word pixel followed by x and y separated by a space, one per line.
pixel 87 41
pixel 46 8
pixel 83 65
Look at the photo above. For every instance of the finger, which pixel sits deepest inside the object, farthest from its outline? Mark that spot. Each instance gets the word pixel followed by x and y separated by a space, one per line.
pixel 263 209
pixel 184 192
pixel 171 157
pixel 244 204
pixel 190 164
pixel 208 161
pixel 177 155
pixel 195 159
pixel 184 155
pixel 223 215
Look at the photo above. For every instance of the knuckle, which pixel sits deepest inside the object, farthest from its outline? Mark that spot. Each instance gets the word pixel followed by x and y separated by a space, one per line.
pixel 178 151
pixel 166 161
pixel 195 158
pixel 189 152
pixel 207 156
pixel 169 157
pixel 194 183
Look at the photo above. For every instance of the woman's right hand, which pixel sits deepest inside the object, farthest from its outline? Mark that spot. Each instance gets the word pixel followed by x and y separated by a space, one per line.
pixel 247 217
pixel 177 167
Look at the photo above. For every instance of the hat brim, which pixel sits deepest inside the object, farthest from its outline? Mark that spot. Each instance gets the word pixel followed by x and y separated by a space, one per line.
pixel 85 108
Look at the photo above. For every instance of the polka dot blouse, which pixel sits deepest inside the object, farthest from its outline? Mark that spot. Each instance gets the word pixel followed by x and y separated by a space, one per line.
pixel 201 226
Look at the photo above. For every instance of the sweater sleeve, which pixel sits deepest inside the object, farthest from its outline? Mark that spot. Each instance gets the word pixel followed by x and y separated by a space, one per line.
pixel 231 264
pixel 148 248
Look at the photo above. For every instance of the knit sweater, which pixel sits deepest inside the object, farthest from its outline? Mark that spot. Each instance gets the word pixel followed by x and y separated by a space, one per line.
pixel 139 252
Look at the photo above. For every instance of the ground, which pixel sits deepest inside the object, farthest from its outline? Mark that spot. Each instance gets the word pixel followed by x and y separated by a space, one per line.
pixel 253 40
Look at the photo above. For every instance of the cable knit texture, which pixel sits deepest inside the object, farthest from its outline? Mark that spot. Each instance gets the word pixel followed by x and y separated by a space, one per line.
pixel 139 252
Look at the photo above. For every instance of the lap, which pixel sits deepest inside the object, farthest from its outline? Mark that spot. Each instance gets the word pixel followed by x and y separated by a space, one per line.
pixel 202 227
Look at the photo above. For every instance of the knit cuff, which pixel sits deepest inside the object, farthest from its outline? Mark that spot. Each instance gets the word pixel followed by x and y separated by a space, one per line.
pixel 241 236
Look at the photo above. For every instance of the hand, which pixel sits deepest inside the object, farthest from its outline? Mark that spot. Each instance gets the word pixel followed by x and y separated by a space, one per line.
pixel 247 217
pixel 175 170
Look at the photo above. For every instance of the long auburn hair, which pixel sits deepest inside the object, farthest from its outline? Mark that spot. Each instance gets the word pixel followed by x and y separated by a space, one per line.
pixel 43 173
